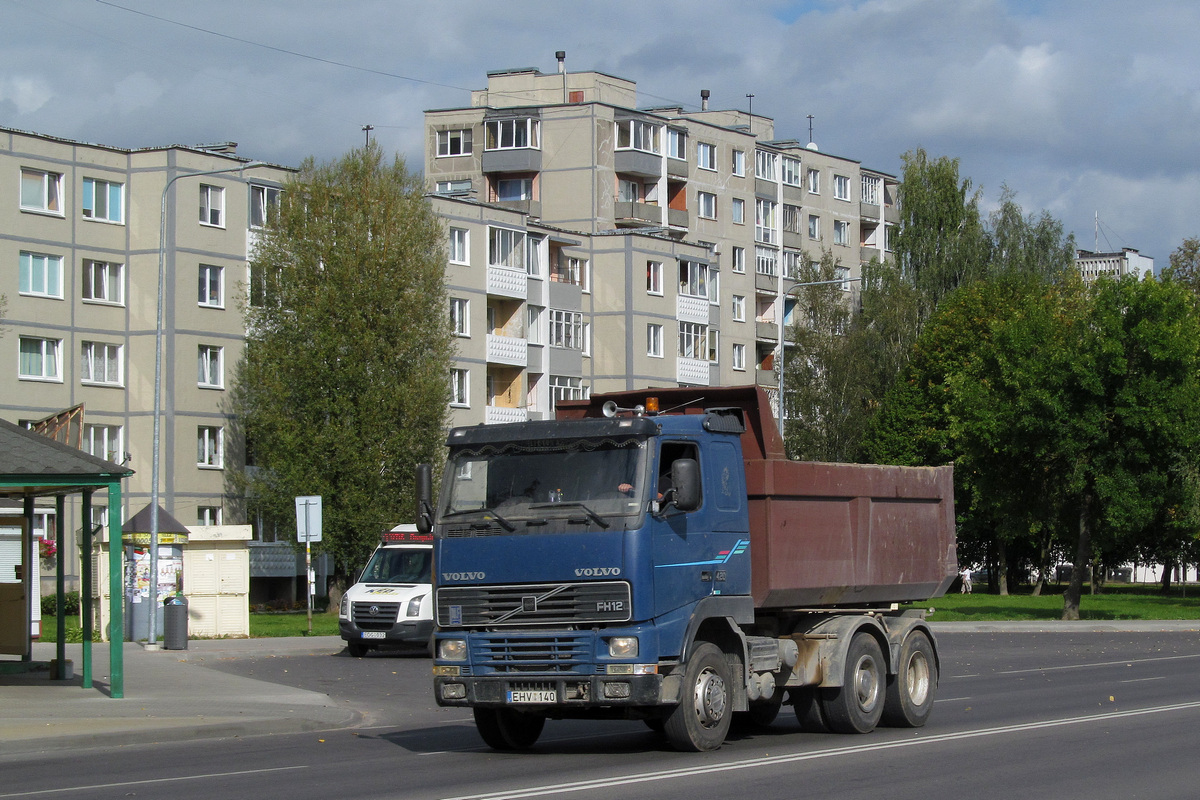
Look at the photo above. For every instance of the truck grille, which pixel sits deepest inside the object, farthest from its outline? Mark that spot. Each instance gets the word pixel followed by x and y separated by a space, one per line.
pixel 372 616
pixel 533 604
pixel 533 654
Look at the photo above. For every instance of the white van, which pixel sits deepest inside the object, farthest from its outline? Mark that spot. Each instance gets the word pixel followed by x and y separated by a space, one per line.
pixel 392 603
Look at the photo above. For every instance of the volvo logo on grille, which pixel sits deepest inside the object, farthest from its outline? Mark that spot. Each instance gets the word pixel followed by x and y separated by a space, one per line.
pixel 374 609
pixel 529 603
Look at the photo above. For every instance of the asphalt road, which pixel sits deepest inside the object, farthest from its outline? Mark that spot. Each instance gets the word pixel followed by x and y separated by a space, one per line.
pixel 1098 715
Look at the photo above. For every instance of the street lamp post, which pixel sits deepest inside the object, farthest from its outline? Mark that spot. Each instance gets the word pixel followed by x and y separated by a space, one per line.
pixel 152 633
pixel 783 343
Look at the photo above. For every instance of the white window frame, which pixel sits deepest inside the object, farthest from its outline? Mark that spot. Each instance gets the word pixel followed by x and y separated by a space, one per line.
pixel 506 248
pixel 654 340
pixel 568 387
pixel 765 222
pixel 872 189
pixel 49 359
pixel 533 330
pixel 103 282
pixel 793 218
pixel 535 255
pixel 41 275
pixel 514 133
pixel 212 206
pixel 693 340
pixel 739 308
pixel 505 190
pixel 738 211
pixel 738 260
pixel 460 317
pixel 264 204
pixel 693 279
pixel 210 277
pixel 47 197
pixel 566 329
pixel 706 156
pixel 739 163
pixel 654 277
pixel 706 205
pixel 792 174
pixel 739 357
pixel 460 388
pixel 460 186
pixel 766 165
pixel 101 364
pixel 677 144
pixel 210 366
pixel 111 209
pixel 841 187
pixel 210 447
pixel 104 441
pixel 793 261
pixel 460 246
pixel 841 232
pixel 455 142
pixel 714 346
pixel 814 181
pixel 208 515
pixel 637 134
pixel 814 227
pixel 766 260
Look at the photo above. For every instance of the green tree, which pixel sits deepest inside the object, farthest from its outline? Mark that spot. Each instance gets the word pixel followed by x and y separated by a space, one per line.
pixel 1185 264
pixel 343 389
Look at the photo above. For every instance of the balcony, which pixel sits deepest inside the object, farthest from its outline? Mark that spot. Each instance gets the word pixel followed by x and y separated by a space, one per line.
pixel 507 350
pixel 531 207
pixel 766 330
pixel 523 159
pixel 499 415
pixel 677 168
pixel 637 162
pixel 868 211
pixel 691 309
pixel 677 217
pixel 629 212
pixel 692 371
pixel 768 378
pixel 505 282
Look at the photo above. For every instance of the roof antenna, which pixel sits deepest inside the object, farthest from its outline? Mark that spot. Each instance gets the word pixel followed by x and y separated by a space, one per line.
pixel 367 130
pixel 751 112
pixel 811 144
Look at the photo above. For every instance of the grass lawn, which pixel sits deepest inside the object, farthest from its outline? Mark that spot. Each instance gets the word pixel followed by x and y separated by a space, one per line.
pixel 1115 601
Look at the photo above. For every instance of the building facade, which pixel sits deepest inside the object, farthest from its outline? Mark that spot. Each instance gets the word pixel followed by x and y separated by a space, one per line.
pixel 1113 265
pixel 595 246
pixel 79 255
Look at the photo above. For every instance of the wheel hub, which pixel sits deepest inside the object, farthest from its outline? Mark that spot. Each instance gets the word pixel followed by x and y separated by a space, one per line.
pixel 710 698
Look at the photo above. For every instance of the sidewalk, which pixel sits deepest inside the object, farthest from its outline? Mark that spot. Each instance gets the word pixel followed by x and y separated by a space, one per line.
pixel 169 696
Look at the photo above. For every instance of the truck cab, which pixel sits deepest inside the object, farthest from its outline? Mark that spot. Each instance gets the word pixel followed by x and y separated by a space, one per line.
pixel 391 604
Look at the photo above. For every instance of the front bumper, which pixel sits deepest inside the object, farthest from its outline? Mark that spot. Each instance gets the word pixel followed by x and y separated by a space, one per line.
pixel 570 692
pixel 408 632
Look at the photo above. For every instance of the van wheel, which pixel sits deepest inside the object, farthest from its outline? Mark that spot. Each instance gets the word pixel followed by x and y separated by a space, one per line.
pixel 856 705
pixel 357 649
pixel 701 720
pixel 911 690
pixel 504 729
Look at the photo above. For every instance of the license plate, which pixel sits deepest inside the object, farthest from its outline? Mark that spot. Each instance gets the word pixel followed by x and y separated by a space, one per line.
pixel 533 696
pixel 372 634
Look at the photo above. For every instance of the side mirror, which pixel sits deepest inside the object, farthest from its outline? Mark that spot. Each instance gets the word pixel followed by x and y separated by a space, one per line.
pixel 424 498
pixel 685 478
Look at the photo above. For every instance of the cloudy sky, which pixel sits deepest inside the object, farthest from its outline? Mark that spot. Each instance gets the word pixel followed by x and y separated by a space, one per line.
pixel 1085 108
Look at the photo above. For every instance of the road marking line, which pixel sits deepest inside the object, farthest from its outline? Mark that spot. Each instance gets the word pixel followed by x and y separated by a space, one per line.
pixel 154 780
pixel 754 763
pixel 1143 680
pixel 1123 662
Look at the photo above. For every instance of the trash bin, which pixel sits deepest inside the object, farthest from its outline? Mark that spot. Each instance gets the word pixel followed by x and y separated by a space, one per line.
pixel 175 623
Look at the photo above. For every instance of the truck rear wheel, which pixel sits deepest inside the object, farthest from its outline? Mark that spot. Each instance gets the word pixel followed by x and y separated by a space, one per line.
pixel 856 705
pixel 504 729
pixel 701 720
pixel 808 710
pixel 911 690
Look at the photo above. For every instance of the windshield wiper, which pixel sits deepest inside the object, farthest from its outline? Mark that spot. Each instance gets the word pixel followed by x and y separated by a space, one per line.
pixel 596 518
pixel 489 514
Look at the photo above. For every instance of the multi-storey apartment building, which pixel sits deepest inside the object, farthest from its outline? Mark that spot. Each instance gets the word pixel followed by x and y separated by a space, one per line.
pixel 598 246
pixel 1113 265
pixel 79 255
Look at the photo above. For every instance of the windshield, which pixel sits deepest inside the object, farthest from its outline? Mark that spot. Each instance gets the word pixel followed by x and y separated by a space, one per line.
pixel 522 480
pixel 399 565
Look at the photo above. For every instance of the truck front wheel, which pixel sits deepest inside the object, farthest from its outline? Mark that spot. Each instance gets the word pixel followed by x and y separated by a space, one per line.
pixel 856 705
pixel 911 690
pixel 701 720
pixel 504 729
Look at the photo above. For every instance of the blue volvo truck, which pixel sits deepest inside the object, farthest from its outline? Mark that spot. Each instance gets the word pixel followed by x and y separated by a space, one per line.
pixel 653 555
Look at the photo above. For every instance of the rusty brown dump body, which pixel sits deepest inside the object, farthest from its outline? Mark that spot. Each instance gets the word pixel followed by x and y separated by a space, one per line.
pixel 824 534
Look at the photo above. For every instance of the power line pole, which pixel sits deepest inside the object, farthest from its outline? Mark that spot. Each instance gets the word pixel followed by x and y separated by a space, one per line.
pixel 367 130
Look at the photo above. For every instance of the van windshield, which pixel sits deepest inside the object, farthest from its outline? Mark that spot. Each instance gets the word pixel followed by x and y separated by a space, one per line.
pixel 399 565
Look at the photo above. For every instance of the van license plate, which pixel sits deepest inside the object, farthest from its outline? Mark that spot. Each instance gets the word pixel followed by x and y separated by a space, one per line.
pixel 533 696
pixel 372 634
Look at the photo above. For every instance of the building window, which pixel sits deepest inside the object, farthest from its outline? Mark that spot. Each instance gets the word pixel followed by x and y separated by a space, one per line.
pixel 535 255
pixel 103 200
pixel 41 275
pixel 791 171
pixel 41 359
pixel 738 259
pixel 764 222
pixel 843 275
pixel 739 211
pixel 510 190
pixel 841 232
pixel 210 371
pixel 766 260
pixel 739 163
pixel 654 277
pixel 460 316
pixel 693 279
pixel 459 246
pixel 208 515
pixel 814 227
pixel 693 340
pixel 103 441
pixel 512 134
pixel 564 387
pixel 566 329
pixel 209 446
pixel 41 191
pixel 739 357
pixel 706 156
pixel 714 286
pixel 45 524
pixel 103 282
pixel 506 248
pixel 654 340
pixel 533 331
pixel 792 218
pixel 454 142
pixel 461 186
pixel 212 286
pixel 569 269
pixel 739 308
pixel 264 205
pixel 793 260
pixel 814 181
pixel 714 345
pixel 841 187
pixel 212 205
pixel 636 134
pixel 100 363
pixel 766 164
pixel 460 389
pixel 676 144
pixel 706 205
pixel 871 187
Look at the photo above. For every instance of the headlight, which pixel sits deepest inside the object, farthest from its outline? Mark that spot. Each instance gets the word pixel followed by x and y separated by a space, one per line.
pixel 344 608
pixel 414 606
pixel 452 649
pixel 623 647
